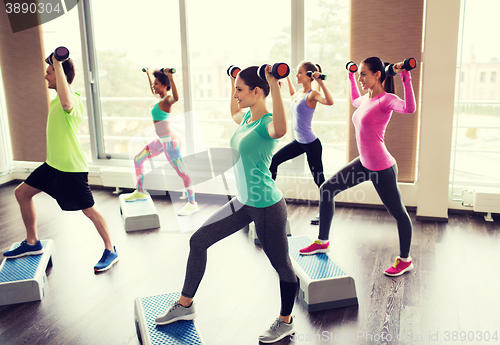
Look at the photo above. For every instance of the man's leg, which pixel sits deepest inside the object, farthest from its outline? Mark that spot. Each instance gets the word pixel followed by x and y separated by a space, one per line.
pixel 101 226
pixel 24 194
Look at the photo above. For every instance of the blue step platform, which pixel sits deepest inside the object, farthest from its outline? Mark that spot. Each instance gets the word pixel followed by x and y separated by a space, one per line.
pixel 177 333
pixel 323 283
pixel 23 279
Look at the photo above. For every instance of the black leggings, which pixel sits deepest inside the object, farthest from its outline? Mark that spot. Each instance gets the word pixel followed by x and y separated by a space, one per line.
pixel 385 183
pixel 294 149
pixel 270 225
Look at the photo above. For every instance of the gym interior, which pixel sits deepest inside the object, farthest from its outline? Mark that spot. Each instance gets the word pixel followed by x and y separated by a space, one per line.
pixel 448 154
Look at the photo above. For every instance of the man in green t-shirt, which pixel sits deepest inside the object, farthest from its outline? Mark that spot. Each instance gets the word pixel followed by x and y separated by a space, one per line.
pixel 64 175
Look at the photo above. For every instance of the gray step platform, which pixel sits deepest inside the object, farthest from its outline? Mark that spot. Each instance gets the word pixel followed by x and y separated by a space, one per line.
pixel 253 233
pixel 23 279
pixel 323 284
pixel 146 309
pixel 139 215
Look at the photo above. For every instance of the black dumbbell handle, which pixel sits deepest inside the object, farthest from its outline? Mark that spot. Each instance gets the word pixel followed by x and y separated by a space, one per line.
pixel 408 64
pixel 172 70
pixel 322 76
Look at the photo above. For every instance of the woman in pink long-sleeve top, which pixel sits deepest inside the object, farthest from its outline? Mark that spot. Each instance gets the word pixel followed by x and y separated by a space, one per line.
pixel 374 162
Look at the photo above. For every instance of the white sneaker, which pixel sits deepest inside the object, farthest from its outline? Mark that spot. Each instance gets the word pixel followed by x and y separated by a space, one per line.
pixel 188 209
pixel 136 196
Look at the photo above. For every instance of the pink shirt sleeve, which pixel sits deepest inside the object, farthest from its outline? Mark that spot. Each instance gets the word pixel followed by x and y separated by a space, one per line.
pixel 393 102
pixel 355 95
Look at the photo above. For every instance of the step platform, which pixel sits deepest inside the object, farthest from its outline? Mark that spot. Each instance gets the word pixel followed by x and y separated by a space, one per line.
pixel 253 234
pixel 23 279
pixel 323 283
pixel 147 309
pixel 139 215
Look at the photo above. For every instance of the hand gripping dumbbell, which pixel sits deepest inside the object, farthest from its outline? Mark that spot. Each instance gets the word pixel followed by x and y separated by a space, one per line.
pixel 321 76
pixel 60 54
pixel 279 70
pixel 351 67
pixel 408 64
pixel 233 71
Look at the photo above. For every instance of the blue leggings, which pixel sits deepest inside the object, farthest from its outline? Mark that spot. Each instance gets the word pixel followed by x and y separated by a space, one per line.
pixel 385 183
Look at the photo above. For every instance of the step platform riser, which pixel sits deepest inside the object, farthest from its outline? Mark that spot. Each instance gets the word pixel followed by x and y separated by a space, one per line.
pixel 146 309
pixel 24 279
pixel 323 284
pixel 139 215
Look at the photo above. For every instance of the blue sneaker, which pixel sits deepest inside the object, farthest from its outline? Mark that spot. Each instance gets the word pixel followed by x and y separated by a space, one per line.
pixel 108 259
pixel 24 249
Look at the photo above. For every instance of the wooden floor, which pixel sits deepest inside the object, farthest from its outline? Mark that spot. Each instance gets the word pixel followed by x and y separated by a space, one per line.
pixel 455 286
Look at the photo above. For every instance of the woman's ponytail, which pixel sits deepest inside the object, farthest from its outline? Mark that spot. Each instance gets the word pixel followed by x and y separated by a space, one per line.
pixel 388 83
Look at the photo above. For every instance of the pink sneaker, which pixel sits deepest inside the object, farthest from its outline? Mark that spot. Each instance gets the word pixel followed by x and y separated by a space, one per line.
pixel 398 268
pixel 315 247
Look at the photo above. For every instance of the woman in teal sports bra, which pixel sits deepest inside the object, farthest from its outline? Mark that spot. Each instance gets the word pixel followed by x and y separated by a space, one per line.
pixel 168 141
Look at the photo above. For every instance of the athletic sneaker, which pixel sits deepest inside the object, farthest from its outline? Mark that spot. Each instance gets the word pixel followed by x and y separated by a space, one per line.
pixel 188 209
pixel 278 330
pixel 24 249
pixel 176 312
pixel 399 267
pixel 108 259
pixel 315 220
pixel 137 196
pixel 315 247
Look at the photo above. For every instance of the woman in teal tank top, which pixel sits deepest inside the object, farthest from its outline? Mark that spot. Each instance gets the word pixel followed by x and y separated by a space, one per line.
pixel 258 200
pixel 168 141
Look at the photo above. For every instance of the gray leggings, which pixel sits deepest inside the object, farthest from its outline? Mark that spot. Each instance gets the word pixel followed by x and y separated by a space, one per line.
pixel 270 225
pixel 385 183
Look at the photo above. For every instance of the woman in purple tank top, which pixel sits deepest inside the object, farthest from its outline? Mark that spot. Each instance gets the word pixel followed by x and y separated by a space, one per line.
pixel 304 103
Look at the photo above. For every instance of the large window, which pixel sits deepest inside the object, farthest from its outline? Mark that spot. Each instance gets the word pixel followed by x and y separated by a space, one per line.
pixel 242 34
pixel 128 38
pixel 476 151
pixel 65 31
pixel 201 43
pixel 328 46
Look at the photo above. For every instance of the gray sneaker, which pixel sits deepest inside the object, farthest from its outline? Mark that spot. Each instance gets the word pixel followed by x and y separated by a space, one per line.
pixel 277 331
pixel 175 313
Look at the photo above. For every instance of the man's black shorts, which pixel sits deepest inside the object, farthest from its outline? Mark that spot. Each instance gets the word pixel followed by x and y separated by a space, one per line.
pixel 70 189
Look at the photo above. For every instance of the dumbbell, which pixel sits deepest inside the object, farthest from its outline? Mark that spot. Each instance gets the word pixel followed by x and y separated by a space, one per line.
pixel 408 64
pixel 279 70
pixel 166 69
pixel 60 54
pixel 322 76
pixel 233 71
pixel 171 70
pixel 351 67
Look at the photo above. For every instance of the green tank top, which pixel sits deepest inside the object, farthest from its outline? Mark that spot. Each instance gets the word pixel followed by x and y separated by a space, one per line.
pixel 255 148
pixel 158 114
